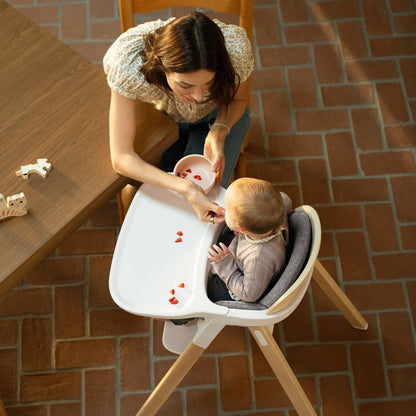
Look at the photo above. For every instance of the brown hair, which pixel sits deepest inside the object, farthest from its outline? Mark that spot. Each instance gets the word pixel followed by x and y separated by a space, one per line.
pixel 258 206
pixel 188 44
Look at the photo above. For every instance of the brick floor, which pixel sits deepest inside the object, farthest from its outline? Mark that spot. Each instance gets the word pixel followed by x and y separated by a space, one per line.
pixel 333 124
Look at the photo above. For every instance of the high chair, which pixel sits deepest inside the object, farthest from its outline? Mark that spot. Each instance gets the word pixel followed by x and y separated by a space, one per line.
pixel 148 264
pixel 242 8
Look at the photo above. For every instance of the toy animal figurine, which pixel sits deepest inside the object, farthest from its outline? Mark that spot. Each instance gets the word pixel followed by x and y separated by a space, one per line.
pixel 42 167
pixel 13 207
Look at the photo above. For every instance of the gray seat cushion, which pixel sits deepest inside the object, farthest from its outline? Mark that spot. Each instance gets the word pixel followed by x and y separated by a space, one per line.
pixel 300 233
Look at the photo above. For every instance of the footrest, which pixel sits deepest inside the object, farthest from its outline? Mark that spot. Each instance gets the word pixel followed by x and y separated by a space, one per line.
pixel 177 337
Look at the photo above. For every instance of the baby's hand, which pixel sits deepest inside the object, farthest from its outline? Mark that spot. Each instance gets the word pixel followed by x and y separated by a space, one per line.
pixel 216 253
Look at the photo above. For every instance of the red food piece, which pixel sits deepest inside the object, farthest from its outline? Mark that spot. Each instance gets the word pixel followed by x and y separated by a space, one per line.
pixel 179 233
pixel 189 170
pixel 178 240
pixel 173 301
pixel 178 174
pixel 184 174
pixel 181 284
pixel 197 177
pixel 172 291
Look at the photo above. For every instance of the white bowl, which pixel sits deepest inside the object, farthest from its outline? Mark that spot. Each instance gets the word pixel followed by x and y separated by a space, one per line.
pixel 197 168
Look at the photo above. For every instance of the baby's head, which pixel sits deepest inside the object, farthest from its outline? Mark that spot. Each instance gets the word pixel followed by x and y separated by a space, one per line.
pixel 253 206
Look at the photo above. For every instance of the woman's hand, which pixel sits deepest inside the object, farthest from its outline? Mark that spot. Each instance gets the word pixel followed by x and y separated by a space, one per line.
pixel 214 150
pixel 216 253
pixel 205 209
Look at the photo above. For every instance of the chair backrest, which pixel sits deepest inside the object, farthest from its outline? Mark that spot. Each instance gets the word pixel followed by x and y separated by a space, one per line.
pixel 305 240
pixel 243 8
pixel 298 271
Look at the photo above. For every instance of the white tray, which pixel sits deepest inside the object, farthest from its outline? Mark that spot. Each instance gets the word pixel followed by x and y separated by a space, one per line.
pixel 147 262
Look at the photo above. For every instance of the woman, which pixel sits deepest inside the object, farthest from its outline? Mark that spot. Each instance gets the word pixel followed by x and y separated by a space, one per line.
pixel 194 70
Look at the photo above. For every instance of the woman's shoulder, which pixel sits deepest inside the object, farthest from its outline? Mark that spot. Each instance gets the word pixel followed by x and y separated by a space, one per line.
pixel 230 30
pixel 147 27
pixel 129 44
pixel 238 47
pixel 123 60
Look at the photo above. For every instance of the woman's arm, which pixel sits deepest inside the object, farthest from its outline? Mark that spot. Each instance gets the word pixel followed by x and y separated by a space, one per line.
pixel 214 142
pixel 128 163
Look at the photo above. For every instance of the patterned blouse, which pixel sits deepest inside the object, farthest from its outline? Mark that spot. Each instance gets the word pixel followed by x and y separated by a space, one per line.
pixel 123 61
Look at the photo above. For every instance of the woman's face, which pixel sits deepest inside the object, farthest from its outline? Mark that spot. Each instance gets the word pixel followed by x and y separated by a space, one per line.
pixel 191 86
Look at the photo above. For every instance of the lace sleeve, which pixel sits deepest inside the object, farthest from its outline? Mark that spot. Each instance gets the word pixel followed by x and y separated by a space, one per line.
pixel 239 48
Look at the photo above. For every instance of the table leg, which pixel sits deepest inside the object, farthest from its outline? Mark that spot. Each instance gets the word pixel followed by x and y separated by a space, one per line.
pixel 282 370
pixel 338 297
pixel 171 379
pixel 2 409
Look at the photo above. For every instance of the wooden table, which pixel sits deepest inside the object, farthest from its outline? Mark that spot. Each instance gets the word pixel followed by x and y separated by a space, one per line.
pixel 54 104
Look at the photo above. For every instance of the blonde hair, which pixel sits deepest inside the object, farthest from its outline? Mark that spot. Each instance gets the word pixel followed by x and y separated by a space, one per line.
pixel 257 206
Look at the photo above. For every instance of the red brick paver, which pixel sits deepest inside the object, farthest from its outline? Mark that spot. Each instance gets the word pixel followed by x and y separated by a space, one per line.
pixel 333 124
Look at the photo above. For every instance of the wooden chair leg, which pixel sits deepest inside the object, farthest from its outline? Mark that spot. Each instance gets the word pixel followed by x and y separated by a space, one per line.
pixel 171 379
pixel 240 167
pixel 282 370
pixel 124 198
pixel 338 297
pixel 2 409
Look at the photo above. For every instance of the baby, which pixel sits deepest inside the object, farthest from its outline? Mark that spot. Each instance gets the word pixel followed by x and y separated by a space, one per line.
pixel 257 213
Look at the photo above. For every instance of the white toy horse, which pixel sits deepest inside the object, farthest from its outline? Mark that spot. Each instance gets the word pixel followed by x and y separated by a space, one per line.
pixel 42 167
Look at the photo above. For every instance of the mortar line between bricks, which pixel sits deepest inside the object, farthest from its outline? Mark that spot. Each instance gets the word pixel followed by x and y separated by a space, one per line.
pixel 394 212
pixel 408 310
pixel 281 26
pixel 265 135
pixel 337 260
pixel 292 115
pixel 340 48
pixel 320 101
pixel 368 244
pixel 400 366
pixel 328 168
pixel 299 181
pixel 357 150
pixel 364 29
pixel 403 89
pixel 352 381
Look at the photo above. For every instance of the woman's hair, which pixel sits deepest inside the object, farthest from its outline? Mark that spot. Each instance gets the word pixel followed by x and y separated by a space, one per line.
pixel 257 206
pixel 188 44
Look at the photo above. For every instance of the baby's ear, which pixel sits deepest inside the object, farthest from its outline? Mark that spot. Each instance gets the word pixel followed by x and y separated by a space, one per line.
pixel 241 228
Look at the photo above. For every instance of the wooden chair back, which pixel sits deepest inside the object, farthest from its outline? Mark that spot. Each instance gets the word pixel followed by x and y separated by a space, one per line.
pixel 243 8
